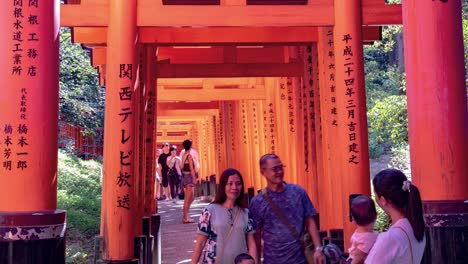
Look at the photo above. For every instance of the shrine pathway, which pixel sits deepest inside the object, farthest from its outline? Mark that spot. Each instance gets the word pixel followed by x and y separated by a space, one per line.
pixel 177 239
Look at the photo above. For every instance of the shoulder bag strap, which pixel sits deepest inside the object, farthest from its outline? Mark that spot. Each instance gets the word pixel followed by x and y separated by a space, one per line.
pixel 409 241
pixel 230 231
pixel 278 213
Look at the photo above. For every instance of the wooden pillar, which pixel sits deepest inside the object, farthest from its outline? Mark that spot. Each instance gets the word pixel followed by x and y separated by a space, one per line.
pixel 149 129
pixel 286 126
pixel 295 120
pixel 437 112
pixel 329 116
pixel 221 146
pixel 118 205
pixel 29 77
pixel 438 122
pixel 351 105
pixel 242 141
pixel 228 132
pixel 256 142
pixel 312 161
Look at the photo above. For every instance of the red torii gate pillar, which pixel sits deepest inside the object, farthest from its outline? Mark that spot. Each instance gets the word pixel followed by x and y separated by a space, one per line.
pixel 31 229
pixel 351 105
pixel 438 122
pixel 119 206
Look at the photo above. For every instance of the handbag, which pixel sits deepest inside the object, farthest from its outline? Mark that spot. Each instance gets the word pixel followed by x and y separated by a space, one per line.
pixel 302 237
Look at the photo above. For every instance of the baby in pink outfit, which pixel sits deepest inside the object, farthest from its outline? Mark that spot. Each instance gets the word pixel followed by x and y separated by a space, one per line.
pixel 364 214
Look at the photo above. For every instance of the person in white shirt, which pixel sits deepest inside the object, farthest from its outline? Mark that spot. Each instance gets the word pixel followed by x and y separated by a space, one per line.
pixel 405 241
pixel 363 214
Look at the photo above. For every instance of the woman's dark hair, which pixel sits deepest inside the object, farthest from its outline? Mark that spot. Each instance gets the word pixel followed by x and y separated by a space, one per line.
pixel 243 256
pixel 187 144
pixel 221 192
pixel 173 147
pixel 363 210
pixel 389 184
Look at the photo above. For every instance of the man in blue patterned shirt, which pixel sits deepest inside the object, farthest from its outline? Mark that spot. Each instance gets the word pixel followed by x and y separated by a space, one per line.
pixel 281 244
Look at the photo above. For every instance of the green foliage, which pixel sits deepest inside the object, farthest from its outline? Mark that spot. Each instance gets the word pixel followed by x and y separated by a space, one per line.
pixel 74 255
pixel 81 97
pixel 401 159
pixel 79 192
pixel 375 148
pixel 388 120
pixel 385 89
pixel 383 220
pixel 381 83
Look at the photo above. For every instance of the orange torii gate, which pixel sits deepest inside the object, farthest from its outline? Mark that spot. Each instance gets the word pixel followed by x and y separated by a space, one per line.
pixel 336 156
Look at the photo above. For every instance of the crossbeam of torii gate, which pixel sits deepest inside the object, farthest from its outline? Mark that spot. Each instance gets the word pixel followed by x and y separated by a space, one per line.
pixel 437 97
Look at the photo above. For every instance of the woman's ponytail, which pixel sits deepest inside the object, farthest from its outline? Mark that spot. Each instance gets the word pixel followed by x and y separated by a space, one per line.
pixel 414 212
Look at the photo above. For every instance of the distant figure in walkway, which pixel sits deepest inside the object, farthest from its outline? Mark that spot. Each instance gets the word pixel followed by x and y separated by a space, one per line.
pixel 404 242
pixel 174 174
pixel 280 211
pixel 364 214
pixel 162 160
pixel 226 228
pixel 157 180
pixel 189 173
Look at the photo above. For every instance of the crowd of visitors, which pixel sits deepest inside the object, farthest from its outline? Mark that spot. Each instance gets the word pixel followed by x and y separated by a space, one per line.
pixel 270 229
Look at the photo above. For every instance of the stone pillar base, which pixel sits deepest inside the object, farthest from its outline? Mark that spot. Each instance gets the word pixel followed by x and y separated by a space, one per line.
pixel 133 261
pixel 447 232
pixel 32 237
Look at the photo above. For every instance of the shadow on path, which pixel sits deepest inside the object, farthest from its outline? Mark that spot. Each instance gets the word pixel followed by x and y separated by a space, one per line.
pixel 177 239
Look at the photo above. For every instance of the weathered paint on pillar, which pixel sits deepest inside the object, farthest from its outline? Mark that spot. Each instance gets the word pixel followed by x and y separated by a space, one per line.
pixel 119 206
pixel 329 116
pixel 351 105
pixel 29 79
pixel 437 104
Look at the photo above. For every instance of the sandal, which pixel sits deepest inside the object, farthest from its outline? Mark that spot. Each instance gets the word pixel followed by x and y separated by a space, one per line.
pixel 188 221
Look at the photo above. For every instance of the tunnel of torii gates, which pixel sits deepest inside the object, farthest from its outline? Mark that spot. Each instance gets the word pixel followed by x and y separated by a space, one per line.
pixel 241 78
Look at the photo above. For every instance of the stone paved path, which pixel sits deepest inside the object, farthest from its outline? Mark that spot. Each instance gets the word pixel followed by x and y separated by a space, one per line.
pixel 177 239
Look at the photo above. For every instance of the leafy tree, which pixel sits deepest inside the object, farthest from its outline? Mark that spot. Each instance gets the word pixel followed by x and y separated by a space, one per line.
pixel 388 117
pixel 81 97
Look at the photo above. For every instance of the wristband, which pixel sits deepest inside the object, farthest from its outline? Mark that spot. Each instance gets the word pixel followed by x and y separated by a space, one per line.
pixel 319 248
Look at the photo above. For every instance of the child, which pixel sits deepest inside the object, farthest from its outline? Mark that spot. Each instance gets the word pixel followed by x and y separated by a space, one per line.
pixel 244 258
pixel 364 214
